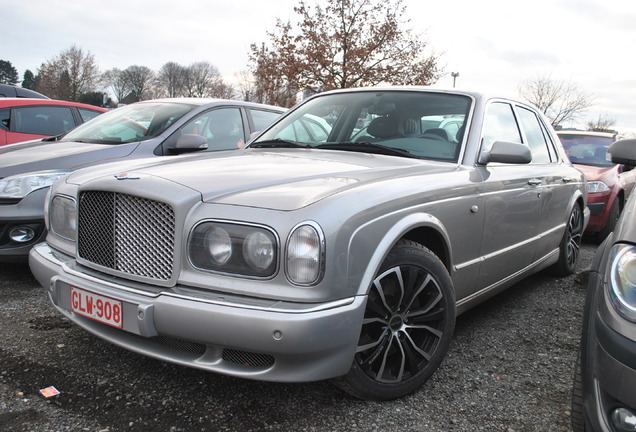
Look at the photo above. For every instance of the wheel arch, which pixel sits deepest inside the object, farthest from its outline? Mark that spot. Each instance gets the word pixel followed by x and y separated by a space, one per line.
pixel 421 228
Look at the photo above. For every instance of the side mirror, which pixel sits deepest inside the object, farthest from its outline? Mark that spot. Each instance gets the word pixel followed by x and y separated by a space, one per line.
pixel 506 152
pixel 189 143
pixel 623 152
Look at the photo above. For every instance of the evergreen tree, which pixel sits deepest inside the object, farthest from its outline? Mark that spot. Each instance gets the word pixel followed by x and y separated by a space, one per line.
pixel 8 74
pixel 28 80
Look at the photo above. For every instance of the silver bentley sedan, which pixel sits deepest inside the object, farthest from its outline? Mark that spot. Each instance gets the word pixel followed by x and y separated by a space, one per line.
pixel 341 243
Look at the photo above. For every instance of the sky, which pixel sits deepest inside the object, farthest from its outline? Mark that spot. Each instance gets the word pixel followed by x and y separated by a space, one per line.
pixel 494 45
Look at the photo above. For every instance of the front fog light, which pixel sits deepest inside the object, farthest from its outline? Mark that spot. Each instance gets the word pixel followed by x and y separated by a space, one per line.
pixel 22 234
pixel 624 420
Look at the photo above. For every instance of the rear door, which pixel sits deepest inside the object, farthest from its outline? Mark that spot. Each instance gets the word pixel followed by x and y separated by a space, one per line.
pixel 559 180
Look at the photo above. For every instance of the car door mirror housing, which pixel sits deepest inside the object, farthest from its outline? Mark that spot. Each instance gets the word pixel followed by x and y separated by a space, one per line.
pixel 506 152
pixel 623 152
pixel 189 143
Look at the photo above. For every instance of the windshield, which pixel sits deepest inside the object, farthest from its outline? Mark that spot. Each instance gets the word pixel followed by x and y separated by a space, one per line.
pixel 400 123
pixel 587 149
pixel 135 122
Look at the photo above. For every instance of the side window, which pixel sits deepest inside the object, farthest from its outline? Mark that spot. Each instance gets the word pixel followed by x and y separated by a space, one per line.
pixel 307 129
pixel 42 120
pixel 5 118
pixel 262 119
pixel 499 125
pixel 554 156
pixel 534 134
pixel 87 114
pixel 223 128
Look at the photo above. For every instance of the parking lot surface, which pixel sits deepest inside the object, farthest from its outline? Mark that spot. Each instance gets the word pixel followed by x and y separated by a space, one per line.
pixel 509 369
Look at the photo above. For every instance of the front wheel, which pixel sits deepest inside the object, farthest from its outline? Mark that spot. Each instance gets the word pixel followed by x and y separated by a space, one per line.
pixel 570 247
pixel 407 328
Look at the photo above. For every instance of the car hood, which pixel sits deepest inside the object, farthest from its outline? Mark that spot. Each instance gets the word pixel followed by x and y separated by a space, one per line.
pixel 281 180
pixel 605 174
pixel 30 156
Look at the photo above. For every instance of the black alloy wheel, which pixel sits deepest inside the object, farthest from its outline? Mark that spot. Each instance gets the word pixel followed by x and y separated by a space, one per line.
pixel 407 327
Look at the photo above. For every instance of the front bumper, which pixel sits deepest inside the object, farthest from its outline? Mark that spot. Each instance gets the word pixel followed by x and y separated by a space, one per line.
pixel 609 362
pixel 281 341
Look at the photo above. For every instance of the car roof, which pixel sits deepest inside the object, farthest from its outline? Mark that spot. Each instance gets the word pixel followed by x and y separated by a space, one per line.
pixel 587 133
pixel 7 90
pixel 7 102
pixel 211 101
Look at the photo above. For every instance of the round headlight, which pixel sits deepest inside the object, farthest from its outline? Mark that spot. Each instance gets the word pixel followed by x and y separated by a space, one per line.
pixel 622 284
pixel 219 245
pixel 258 250
pixel 304 255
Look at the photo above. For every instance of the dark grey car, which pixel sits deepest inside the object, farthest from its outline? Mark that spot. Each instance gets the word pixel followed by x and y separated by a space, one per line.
pixel 141 130
pixel 604 395
pixel 342 243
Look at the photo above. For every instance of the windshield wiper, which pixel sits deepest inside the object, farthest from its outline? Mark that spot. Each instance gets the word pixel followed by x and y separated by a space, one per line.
pixel 54 137
pixel 98 141
pixel 367 147
pixel 278 143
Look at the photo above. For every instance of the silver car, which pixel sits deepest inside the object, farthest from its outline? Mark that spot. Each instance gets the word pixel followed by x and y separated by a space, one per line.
pixel 340 244
pixel 148 129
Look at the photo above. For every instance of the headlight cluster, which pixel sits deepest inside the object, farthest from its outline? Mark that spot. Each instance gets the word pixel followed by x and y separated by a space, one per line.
pixel 251 250
pixel 622 283
pixel 597 187
pixel 234 248
pixel 63 217
pixel 19 186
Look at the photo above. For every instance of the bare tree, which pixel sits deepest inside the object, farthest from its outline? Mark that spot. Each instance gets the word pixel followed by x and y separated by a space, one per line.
pixel 140 80
pixel 604 123
pixel 559 100
pixel 347 43
pixel 246 86
pixel 199 78
pixel 116 80
pixel 172 78
pixel 69 74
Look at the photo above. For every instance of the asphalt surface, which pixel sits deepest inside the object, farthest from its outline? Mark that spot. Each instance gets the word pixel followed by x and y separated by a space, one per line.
pixel 509 369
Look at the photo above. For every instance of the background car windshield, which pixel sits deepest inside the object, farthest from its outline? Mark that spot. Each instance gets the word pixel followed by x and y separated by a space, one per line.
pixel 427 125
pixel 587 150
pixel 136 122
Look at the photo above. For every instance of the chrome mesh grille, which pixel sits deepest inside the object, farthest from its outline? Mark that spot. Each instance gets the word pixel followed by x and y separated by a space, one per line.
pixel 126 233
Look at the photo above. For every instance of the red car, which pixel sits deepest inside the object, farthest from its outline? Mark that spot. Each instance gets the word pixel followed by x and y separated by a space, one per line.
pixel 23 119
pixel 608 184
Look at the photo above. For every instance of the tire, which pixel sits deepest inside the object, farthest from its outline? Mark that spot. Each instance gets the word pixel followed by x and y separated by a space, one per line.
pixel 407 328
pixel 576 414
pixel 570 246
pixel 610 224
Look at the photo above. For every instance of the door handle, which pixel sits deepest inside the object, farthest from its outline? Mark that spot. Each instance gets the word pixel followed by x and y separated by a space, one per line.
pixel 568 179
pixel 534 182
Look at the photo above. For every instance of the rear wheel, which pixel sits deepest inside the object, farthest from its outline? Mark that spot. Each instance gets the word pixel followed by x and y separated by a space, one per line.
pixel 570 247
pixel 407 327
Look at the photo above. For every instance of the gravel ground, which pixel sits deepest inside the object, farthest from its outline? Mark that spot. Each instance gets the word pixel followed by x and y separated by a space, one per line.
pixel 509 369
